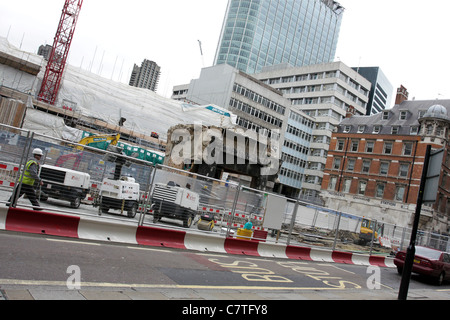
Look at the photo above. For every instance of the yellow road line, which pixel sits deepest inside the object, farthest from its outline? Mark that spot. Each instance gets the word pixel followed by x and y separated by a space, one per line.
pixel 17 282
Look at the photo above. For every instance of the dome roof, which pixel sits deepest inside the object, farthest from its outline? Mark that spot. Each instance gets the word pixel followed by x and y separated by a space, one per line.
pixel 437 111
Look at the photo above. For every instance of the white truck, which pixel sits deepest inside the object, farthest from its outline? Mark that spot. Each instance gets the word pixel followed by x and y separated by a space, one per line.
pixel 121 195
pixel 172 201
pixel 64 184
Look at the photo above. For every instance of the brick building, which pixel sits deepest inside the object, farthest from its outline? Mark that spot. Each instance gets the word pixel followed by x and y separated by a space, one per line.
pixel 375 163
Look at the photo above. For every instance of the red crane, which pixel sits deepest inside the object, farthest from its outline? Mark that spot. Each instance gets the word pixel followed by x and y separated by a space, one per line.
pixel 60 51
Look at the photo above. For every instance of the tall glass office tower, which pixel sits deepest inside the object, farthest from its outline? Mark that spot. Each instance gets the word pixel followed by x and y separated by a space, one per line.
pixel 259 33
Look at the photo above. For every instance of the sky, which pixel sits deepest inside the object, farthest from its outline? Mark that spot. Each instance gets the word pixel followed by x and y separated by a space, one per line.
pixel 407 39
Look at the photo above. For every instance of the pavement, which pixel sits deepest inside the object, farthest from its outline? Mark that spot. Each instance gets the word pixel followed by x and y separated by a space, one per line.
pixel 24 292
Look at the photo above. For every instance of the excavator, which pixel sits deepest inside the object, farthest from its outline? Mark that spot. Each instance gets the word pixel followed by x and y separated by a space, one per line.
pixel 114 138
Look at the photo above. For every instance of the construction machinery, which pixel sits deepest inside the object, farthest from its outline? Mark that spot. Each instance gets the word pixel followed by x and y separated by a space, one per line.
pixel 64 184
pixel 119 193
pixel 206 222
pixel 366 233
pixel 77 156
pixel 60 51
pixel 172 201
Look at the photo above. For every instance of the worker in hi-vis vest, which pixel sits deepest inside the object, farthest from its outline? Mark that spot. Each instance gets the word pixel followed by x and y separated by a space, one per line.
pixel 29 178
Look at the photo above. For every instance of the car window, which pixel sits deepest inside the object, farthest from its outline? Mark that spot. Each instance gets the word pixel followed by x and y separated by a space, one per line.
pixel 428 253
pixel 446 257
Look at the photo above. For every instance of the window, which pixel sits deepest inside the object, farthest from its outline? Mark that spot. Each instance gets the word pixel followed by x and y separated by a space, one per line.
pixel 379 192
pixel 386 115
pixel 332 184
pixel 351 164
pixel 355 144
pixel 404 169
pixel 347 185
pixel 395 130
pixel 387 148
pixel 361 129
pixel 384 168
pixel 362 187
pixel 340 145
pixel 407 148
pixel 376 129
pixel 414 130
pixel 337 163
pixel 369 146
pixel 366 166
pixel 403 115
pixel 399 193
pixel 347 129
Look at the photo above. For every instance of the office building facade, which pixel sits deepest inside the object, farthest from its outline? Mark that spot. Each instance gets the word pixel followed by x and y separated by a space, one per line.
pixel 259 108
pixel 259 33
pixel 380 96
pixel 325 92
pixel 375 164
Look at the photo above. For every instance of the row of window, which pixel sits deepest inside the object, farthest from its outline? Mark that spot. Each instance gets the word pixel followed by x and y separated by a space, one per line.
pixel 388 146
pixel 377 129
pixel 362 188
pixel 247 124
pixel 259 99
pixel 299 133
pixel 296 147
pixel 287 158
pixel 300 119
pixel 403 170
pixel 254 112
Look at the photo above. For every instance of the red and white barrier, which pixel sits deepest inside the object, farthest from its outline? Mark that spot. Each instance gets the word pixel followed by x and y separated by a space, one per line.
pixel 72 226
pixel 8 174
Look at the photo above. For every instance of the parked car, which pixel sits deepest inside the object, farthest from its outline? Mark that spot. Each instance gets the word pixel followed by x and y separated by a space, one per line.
pixel 428 262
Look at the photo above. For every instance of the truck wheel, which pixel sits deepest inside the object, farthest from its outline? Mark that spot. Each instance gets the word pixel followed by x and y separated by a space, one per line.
pixel 133 210
pixel 75 203
pixel 187 222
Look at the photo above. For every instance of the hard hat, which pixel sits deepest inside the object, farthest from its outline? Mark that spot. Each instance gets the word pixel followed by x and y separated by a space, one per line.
pixel 38 152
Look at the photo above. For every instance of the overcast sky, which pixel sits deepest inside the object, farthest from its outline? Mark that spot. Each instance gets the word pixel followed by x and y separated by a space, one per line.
pixel 408 39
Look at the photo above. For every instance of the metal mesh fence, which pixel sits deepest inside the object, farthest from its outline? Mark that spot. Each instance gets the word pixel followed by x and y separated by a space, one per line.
pixel 87 180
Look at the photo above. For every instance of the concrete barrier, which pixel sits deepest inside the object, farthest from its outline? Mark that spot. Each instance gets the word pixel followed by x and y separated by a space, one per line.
pixel 321 255
pixel 204 242
pixel 272 250
pixel 39 222
pixel 298 253
pixel 243 247
pixel 30 221
pixel 360 259
pixel 3 214
pixel 342 257
pixel 107 231
pixel 157 237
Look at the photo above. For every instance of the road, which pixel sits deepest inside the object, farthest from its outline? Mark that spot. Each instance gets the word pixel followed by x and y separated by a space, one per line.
pixel 42 267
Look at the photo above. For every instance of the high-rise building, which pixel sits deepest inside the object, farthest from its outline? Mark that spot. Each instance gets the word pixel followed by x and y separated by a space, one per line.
pixel 380 97
pixel 326 92
pixel 259 33
pixel 146 76
pixel 45 51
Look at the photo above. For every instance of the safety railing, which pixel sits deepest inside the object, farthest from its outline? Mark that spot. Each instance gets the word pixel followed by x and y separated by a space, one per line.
pixel 107 184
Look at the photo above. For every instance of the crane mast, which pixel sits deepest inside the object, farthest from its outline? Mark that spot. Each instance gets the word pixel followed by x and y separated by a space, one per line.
pixel 60 51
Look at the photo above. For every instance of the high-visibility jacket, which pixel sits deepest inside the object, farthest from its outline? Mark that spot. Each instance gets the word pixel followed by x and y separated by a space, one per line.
pixel 26 177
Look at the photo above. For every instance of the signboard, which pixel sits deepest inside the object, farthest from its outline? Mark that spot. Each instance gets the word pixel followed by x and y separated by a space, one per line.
pixel 433 175
pixel 275 209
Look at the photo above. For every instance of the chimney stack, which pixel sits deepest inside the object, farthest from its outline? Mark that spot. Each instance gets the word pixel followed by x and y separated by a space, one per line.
pixel 351 111
pixel 402 95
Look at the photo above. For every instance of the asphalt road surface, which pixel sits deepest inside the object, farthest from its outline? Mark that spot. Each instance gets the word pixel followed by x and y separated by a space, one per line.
pixel 36 262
